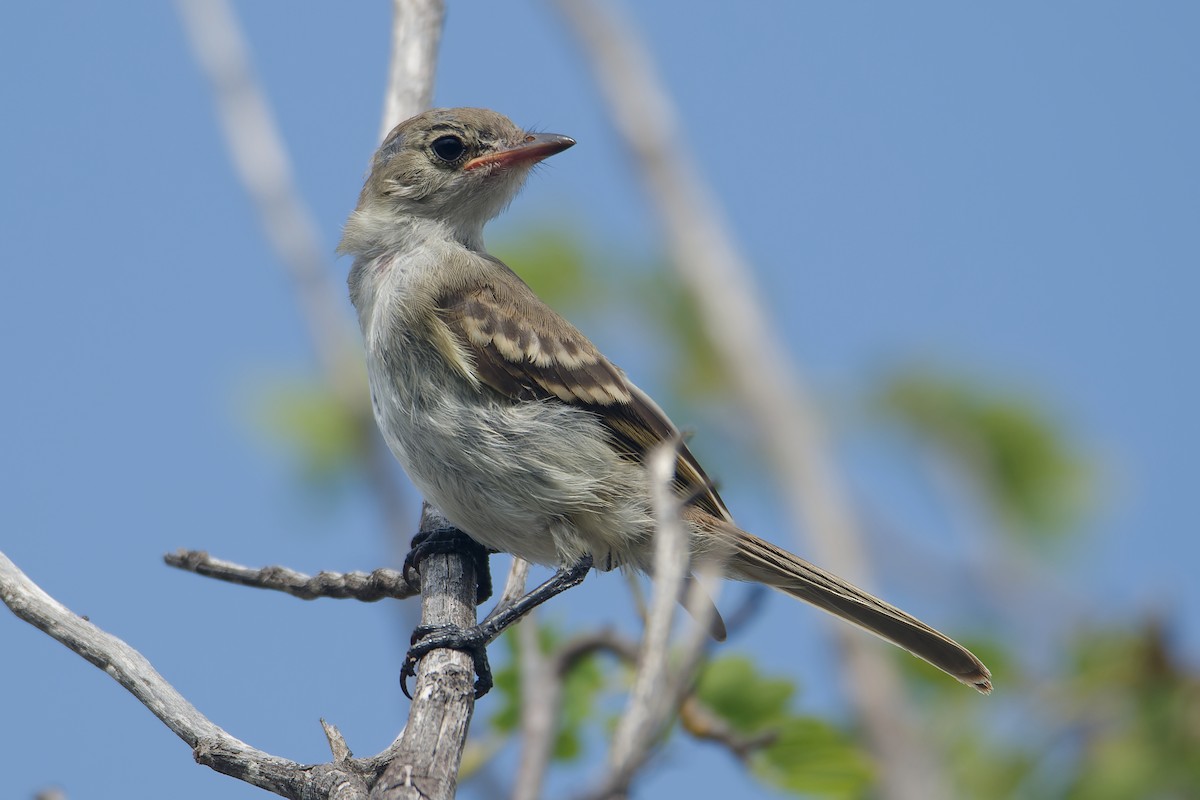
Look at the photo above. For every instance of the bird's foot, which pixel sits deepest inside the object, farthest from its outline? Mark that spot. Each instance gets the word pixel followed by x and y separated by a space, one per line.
pixel 452 540
pixel 473 641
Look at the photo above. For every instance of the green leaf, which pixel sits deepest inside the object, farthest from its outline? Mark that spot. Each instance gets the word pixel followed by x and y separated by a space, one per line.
pixel 750 702
pixel 1008 445
pixel 811 757
pixel 804 755
pixel 581 687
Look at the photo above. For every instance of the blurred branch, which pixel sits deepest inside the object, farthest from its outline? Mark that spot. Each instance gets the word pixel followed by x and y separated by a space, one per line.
pixel 658 689
pixel 642 715
pixel 541 701
pixel 700 721
pixel 770 389
pixel 416 34
pixel 260 158
pixel 262 163
pixel 362 586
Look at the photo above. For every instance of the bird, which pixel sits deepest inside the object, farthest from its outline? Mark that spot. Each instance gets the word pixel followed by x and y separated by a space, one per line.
pixel 507 418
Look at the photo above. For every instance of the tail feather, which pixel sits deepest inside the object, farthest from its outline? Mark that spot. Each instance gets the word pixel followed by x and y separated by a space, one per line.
pixel 756 560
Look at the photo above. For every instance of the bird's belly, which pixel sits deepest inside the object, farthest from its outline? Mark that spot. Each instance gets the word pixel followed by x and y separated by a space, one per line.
pixel 535 479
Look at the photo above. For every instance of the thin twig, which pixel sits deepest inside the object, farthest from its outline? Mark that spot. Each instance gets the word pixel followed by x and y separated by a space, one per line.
pixel 769 386
pixel 702 723
pixel 542 682
pixel 366 587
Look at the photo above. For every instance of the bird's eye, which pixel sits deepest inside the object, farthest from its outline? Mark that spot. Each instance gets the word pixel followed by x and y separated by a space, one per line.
pixel 448 148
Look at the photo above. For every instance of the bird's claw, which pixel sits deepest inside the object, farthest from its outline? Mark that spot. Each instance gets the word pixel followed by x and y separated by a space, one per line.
pixel 472 641
pixel 452 540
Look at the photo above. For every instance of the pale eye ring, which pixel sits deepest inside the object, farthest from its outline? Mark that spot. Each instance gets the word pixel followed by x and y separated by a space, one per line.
pixel 448 148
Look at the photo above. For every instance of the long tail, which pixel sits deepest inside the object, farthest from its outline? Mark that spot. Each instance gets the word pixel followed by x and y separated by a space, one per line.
pixel 756 560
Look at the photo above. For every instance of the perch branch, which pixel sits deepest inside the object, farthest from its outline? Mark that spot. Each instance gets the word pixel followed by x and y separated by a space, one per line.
pixel 430 749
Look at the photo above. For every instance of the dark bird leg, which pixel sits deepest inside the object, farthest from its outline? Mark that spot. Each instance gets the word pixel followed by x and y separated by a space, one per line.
pixel 474 640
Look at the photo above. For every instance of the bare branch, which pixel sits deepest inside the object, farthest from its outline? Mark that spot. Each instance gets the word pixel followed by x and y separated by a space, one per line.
pixel 367 587
pixel 770 388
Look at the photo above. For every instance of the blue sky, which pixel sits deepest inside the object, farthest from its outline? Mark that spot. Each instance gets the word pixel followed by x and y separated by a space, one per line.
pixel 1010 191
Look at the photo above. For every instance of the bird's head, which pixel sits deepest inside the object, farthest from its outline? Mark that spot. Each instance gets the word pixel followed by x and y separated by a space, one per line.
pixel 455 166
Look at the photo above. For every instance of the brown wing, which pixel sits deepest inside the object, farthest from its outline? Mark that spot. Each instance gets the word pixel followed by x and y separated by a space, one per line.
pixel 524 350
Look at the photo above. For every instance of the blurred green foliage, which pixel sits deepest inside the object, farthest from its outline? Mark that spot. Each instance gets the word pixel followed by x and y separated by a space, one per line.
pixel 803 754
pixel 1133 713
pixel 1017 457
pixel 581 688
pixel 1117 718
pixel 796 753
pixel 327 436
pixel 555 264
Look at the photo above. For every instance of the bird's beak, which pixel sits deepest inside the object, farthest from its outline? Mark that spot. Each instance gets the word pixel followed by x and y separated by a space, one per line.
pixel 535 147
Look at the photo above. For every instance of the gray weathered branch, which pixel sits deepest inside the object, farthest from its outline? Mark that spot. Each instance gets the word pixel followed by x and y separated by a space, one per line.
pixel 345 778
pixel 366 587
pixel 427 757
